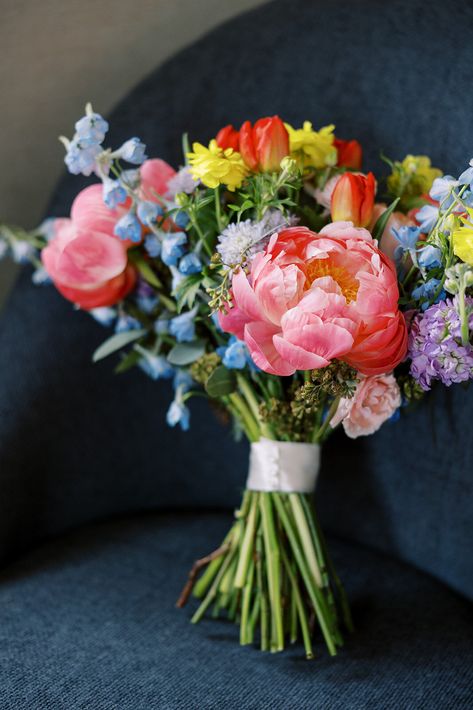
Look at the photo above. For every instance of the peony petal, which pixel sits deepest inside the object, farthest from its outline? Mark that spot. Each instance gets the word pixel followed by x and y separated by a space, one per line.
pixel 259 338
pixel 155 175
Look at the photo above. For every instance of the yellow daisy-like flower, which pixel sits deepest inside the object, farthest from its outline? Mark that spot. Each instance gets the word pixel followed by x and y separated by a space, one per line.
pixel 463 239
pixel 314 149
pixel 215 166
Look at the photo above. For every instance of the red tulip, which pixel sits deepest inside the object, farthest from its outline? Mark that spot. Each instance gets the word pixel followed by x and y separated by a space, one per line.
pixel 350 154
pixel 228 137
pixel 265 144
pixel 353 199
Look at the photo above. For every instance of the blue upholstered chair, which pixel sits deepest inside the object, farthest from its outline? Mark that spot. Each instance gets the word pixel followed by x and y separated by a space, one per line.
pixel 103 508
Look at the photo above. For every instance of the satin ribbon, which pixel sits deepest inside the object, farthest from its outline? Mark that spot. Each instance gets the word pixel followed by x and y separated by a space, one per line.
pixel 284 466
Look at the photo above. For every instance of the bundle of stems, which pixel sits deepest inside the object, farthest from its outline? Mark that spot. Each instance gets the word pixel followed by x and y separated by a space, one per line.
pixel 273 576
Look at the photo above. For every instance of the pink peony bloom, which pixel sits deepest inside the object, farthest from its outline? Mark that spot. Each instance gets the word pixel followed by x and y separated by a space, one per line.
pixel 310 298
pixel 89 268
pixel 375 400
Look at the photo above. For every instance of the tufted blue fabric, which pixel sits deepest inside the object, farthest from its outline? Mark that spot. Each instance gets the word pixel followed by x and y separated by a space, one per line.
pixel 88 623
pixel 78 444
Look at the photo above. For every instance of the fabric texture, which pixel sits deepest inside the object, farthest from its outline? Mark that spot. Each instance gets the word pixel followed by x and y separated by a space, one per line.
pixel 78 443
pixel 89 622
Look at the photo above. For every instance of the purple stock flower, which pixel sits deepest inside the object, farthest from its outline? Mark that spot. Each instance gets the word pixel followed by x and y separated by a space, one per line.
pixel 435 345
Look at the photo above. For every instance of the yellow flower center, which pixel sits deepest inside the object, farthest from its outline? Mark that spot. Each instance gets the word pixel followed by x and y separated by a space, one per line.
pixel 318 268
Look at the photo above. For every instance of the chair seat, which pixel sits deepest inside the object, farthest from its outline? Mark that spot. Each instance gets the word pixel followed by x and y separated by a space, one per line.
pixel 88 621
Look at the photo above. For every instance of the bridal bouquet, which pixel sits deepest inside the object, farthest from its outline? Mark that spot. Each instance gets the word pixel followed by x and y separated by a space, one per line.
pixel 266 276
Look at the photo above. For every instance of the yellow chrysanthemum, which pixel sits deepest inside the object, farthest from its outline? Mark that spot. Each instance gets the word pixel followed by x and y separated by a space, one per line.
pixel 314 149
pixel 215 166
pixel 463 239
pixel 413 176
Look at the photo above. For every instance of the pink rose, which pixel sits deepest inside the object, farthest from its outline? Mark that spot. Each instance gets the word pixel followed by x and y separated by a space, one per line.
pixel 310 298
pixel 88 268
pixel 375 400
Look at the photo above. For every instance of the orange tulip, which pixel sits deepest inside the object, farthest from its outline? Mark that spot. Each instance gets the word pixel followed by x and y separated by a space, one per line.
pixel 265 144
pixel 228 137
pixel 350 154
pixel 353 199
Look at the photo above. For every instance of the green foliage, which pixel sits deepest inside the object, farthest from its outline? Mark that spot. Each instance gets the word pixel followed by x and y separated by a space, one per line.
pixel 116 342
pixel 186 353
pixel 221 382
pixel 382 221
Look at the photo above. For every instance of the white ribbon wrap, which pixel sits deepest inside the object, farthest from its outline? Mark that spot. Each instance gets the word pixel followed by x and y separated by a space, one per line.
pixel 284 466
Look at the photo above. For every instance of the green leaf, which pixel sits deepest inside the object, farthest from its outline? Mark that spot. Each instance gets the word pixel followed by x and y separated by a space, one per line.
pixel 221 382
pixel 146 271
pixel 187 291
pixel 127 362
pixel 185 353
pixel 382 221
pixel 116 342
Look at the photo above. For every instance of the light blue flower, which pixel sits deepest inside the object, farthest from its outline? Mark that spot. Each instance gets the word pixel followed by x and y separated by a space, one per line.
pixel 40 276
pixel 190 264
pixel 47 228
pixel 178 413
pixel 182 380
pixel 177 278
pixel 113 193
pixel 126 322
pixel 148 212
pixel 147 302
pixel 155 366
pixel 235 354
pixel 21 252
pixel 441 189
pixel 103 315
pixel 161 326
pixel 181 219
pixel 407 238
pixel 92 126
pixel 130 178
pixel 81 157
pixel 182 327
pixel 153 246
pixel 128 227
pixel 466 178
pixel 426 292
pixel 173 248
pixel 427 217
pixel 429 257
pixel 215 321
pixel 133 151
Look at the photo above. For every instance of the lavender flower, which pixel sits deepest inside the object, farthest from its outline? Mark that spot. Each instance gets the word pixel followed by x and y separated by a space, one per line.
pixel 435 345
pixel 181 182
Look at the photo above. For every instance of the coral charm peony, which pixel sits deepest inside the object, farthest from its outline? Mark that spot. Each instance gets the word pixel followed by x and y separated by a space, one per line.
pixel 310 298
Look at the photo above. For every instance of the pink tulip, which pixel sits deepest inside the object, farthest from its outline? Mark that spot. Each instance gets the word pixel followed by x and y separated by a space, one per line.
pixel 310 298
pixel 374 402
pixel 88 268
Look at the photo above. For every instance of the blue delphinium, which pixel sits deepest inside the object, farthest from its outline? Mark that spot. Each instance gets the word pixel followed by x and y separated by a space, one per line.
pixel 466 178
pixel 133 151
pixel 126 322
pixel 429 257
pixel 178 413
pixel 92 126
pixel 181 219
pixel 173 247
pixel 427 217
pixel 190 264
pixel 148 212
pixel 113 193
pixel 182 327
pixel 182 380
pixel 128 227
pixel 441 190
pixel 407 238
pixel 426 292
pixel 81 156
pixel 104 315
pixel 235 354
pixel 161 326
pixel 155 366
pixel 153 245
pixel 146 298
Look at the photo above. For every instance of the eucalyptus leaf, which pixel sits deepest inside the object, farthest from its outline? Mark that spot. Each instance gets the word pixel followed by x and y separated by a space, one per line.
pixel 185 353
pixel 221 382
pixel 128 361
pixel 382 221
pixel 116 342
pixel 147 272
